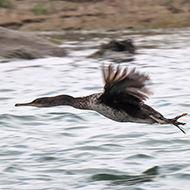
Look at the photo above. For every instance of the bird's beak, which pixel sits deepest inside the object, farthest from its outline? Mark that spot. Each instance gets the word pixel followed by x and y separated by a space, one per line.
pixel 28 104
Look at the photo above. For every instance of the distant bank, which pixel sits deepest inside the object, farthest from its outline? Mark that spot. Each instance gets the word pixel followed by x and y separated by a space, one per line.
pixel 50 15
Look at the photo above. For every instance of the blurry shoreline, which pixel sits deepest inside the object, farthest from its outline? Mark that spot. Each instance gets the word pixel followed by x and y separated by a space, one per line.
pixel 107 15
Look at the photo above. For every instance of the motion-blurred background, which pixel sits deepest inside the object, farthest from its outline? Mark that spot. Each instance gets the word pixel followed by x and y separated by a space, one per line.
pixel 93 14
pixel 49 48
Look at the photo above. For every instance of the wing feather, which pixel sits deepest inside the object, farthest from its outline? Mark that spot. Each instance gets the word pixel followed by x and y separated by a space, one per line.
pixel 126 85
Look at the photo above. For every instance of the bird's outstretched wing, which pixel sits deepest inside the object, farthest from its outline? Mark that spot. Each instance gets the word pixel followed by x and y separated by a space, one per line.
pixel 127 85
pixel 125 90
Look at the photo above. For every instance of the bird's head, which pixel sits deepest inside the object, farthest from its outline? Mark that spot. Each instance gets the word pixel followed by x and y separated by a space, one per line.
pixel 49 101
pixel 39 102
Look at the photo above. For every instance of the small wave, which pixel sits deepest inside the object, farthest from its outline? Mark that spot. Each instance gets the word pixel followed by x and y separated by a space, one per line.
pixel 127 180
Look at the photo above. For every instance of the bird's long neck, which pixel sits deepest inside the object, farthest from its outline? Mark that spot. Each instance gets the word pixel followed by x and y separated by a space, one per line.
pixel 78 102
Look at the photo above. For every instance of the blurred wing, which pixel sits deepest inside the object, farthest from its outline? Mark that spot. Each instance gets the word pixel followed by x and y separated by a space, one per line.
pixel 124 86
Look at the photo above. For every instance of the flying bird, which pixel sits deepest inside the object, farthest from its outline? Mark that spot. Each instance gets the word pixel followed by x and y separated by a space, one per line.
pixel 122 99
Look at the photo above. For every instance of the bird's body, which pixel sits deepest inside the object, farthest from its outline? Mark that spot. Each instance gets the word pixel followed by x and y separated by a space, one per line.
pixel 115 113
pixel 122 99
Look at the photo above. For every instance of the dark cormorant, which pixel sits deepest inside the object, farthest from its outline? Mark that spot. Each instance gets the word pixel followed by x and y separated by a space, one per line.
pixel 122 99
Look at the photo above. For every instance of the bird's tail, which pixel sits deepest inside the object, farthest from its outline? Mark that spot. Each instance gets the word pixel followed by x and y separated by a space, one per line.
pixel 172 121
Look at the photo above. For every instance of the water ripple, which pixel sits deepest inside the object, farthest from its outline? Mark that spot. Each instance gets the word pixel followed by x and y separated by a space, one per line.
pixel 65 148
pixel 128 180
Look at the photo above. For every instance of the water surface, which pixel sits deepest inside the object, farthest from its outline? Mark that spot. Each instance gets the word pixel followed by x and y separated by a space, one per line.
pixel 63 148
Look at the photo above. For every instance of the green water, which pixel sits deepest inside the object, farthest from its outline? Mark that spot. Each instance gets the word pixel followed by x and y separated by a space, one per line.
pixel 62 148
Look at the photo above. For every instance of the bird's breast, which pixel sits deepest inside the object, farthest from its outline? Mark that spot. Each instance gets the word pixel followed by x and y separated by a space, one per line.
pixel 116 115
pixel 113 114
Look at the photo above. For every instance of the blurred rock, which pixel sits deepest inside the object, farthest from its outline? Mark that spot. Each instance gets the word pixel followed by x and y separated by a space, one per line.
pixel 26 45
pixel 116 50
pixel 119 45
